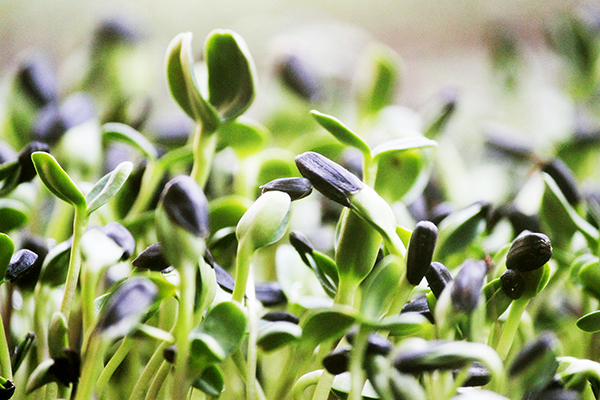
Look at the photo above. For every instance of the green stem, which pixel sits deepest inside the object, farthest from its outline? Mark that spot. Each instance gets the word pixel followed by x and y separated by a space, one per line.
pixel 114 363
pixel 40 325
pixel 304 382
pixel 295 363
pixel 242 269
pixel 252 356
pixel 79 225
pixel 240 364
pixel 346 291
pixel 150 179
pixel 4 354
pixel 204 150
pixel 323 387
pixel 89 281
pixel 357 356
pixel 511 326
pixel 403 291
pixel 158 381
pixel 183 326
pixel 91 367
pixel 149 372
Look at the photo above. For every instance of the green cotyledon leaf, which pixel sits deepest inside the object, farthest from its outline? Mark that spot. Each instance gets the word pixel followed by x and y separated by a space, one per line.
pixel 57 180
pixel 231 74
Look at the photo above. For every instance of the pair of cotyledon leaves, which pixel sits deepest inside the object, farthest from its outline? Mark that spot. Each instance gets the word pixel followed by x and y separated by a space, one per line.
pixel 230 82
pixel 63 187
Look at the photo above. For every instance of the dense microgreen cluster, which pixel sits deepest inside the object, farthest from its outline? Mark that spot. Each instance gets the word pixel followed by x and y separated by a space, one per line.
pixel 253 260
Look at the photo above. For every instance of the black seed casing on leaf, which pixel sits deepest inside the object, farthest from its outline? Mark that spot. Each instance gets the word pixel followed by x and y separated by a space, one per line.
pixel 478 376
pixel 274 316
pixel 419 306
pixel 529 251
pixel 438 276
pixel 28 171
pixel 296 188
pixel 532 352
pixel 20 264
pixel 337 362
pixel 152 258
pixel 7 390
pixel 270 294
pixel 467 286
pixel 122 237
pixel 297 78
pixel 564 179
pixel 420 251
pixel 376 344
pixel 513 284
pixel 331 179
pixel 186 205
pixel 301 245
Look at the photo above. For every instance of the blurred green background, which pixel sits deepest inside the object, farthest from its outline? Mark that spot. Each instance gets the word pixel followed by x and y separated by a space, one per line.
pixel 443 44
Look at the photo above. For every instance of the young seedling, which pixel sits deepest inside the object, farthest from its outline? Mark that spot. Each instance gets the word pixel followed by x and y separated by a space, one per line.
pixel 231 89
pixel 182 222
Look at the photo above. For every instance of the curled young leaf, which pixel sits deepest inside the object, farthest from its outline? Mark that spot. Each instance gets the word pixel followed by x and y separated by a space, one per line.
pixel 55 266
pixel 381 79
pixel 57 335
pixel 13 214
pixel 211 381
pixel 324 324
pixel 219 335
pixel 244 135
